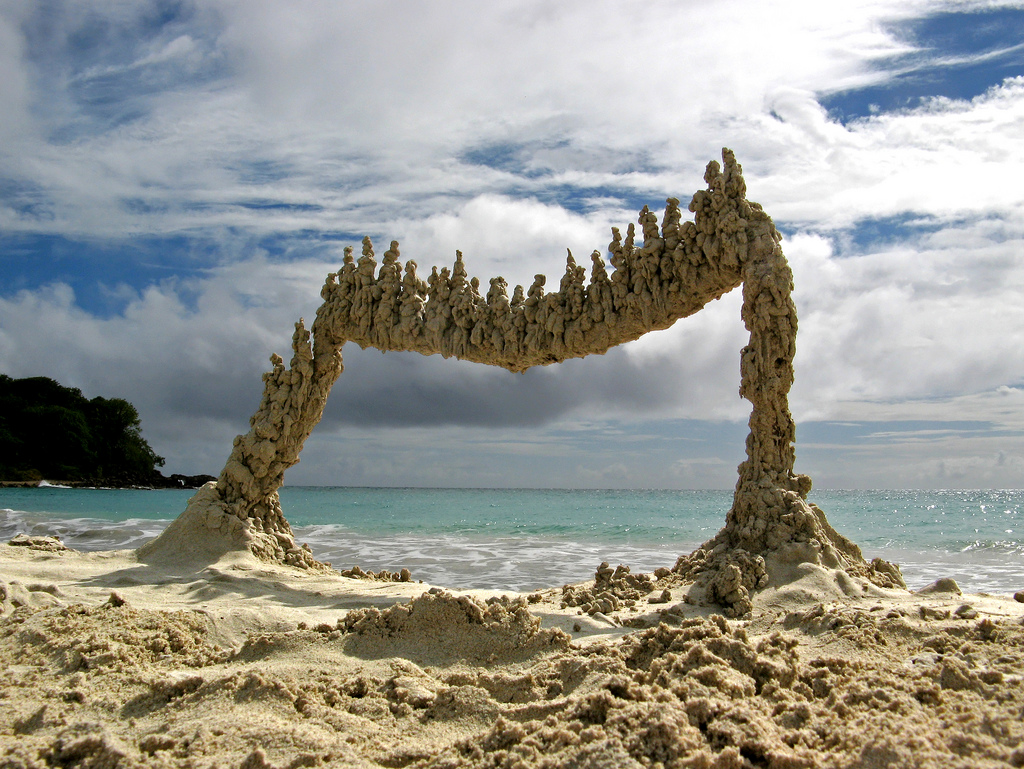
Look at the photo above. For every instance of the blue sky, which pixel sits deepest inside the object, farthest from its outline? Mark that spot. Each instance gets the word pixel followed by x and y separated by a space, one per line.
pixel 177 178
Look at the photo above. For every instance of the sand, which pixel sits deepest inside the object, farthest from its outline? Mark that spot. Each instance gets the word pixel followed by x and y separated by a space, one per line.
pixel 108 661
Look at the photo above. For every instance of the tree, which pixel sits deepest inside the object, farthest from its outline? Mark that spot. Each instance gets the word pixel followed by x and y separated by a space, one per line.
pixel 51 431
pixel 120 445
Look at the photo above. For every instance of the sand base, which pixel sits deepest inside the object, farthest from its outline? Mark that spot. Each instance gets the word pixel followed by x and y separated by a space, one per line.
pixel 111 662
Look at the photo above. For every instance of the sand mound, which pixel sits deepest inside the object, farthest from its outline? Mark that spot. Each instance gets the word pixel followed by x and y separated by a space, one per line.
pixel 440 626
pixel 112 637
pixel 829 671
pixel 208 529
pixel 674 695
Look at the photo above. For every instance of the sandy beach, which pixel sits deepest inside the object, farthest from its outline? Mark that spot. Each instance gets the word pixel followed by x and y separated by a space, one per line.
pixel 224 642
pixel 112 661
pixel 550 358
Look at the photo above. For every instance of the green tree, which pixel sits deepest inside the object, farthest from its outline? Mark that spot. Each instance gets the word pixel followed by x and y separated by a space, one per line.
pixel 57 441
pixel 121 449
pixel 51 431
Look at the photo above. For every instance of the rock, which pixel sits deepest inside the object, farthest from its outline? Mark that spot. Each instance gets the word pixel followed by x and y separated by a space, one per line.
pixel 966 611
pixel 664 597
pixel 930 613
pixel 46 544
pixel 944 585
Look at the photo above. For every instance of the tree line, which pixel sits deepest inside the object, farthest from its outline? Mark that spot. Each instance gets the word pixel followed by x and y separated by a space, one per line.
pixel 48 431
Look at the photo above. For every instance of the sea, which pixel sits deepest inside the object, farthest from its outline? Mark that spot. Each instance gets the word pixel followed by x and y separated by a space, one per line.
pixel 524 539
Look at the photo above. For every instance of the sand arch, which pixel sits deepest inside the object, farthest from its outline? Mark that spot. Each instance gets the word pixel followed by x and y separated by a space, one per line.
pixel 659 274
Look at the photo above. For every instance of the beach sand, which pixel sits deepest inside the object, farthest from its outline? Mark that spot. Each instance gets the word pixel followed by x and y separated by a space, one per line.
pixel 110 661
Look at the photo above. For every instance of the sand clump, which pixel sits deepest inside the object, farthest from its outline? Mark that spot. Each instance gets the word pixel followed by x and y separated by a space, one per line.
pixel 356 572
pixel 44 544
pixel 114 636
pixel 612 589
pixel 728 576
pixel 439 625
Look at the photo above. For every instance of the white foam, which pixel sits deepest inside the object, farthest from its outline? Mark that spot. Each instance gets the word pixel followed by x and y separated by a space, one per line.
pixel 501 563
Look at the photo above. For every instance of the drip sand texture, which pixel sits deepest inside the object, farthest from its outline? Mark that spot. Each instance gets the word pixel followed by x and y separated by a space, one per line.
pixel 659 275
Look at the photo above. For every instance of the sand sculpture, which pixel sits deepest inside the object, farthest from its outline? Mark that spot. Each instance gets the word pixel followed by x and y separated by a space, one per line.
pixel 658 276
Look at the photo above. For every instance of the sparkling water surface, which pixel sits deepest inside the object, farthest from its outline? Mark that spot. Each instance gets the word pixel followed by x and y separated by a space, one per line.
pixel 522 539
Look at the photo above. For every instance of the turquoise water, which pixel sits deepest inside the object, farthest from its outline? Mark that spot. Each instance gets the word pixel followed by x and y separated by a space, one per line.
pixel 521 539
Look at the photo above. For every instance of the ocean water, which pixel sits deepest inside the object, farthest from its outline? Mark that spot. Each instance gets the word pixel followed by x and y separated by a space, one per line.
pixel 522 539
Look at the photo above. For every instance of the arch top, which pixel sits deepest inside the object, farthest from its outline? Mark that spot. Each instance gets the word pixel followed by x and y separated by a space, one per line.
pixel 658 275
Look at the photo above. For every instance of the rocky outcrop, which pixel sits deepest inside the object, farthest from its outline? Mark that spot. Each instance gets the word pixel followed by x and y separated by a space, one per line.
pixel 659 274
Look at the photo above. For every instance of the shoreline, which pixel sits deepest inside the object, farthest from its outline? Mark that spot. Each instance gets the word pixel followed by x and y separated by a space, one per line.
pixel 528 555
pixel 174 481
pixel 114 661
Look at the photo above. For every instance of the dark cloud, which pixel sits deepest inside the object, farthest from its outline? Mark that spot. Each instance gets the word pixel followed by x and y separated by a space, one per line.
pixel 406 389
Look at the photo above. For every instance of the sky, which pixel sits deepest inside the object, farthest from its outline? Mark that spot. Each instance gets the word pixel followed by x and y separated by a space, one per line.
pixel 178 178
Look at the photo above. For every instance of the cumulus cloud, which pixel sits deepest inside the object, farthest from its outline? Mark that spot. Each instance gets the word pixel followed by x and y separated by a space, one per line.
pixel 948 159
pixel 927 318
pixel 334 108
pixel 252 140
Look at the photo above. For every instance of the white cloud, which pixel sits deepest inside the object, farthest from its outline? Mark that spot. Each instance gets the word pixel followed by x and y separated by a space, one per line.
pixel 928 319
pixel 503 236
pixel 949 158
pixel 244 120
pixel 341 96
pixel 14 86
